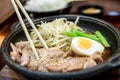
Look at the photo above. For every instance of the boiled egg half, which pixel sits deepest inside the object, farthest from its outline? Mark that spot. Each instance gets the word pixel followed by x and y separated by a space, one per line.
pixel 86 46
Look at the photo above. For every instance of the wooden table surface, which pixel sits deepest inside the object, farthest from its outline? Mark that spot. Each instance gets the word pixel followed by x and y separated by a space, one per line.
pixel 8 74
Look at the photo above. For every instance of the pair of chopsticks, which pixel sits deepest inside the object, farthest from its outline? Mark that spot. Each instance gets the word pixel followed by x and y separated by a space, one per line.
pixel 24 27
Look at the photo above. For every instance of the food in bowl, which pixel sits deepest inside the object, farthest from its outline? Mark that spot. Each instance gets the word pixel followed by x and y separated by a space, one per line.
pixel 70 48
pixel 45 5
pixel 91 11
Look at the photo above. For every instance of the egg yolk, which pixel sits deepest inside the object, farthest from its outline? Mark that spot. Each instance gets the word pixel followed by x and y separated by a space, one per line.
pixel 84 43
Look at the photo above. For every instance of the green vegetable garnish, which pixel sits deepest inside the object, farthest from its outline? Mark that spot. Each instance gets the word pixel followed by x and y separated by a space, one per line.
pixel 76 33
pixel 102 39
pixel 79 33
pixel 70 34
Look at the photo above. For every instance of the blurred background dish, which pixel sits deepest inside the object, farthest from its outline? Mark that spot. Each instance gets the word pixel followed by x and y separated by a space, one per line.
pixel 43 8
pixel 91 10
pixel 45 5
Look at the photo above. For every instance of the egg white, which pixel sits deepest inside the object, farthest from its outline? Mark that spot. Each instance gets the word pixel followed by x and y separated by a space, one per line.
pixel 95 47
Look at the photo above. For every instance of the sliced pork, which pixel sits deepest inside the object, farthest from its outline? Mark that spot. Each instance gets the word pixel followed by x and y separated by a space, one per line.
pixel 52 60
pixel 57 65
pixel 15 54
pixel 89 63
pixel 25 54
pixel 47 53
pixel 75 63
pixel 98 58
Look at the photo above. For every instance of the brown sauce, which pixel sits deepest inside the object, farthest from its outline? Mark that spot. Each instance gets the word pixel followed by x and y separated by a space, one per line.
pixel 107 54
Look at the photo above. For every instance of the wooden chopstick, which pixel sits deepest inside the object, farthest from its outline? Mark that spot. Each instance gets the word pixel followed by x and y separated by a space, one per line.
pixel 24 28
pixel 32 24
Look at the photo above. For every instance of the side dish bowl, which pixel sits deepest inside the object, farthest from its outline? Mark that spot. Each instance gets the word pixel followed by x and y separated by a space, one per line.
pixel 91 10
pixel 87 23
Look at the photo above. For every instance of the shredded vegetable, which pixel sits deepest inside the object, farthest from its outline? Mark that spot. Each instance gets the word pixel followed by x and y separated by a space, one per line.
pixel 52 33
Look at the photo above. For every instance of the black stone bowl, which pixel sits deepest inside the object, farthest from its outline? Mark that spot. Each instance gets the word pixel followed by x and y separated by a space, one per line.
pixel 84 7
pixel 87 23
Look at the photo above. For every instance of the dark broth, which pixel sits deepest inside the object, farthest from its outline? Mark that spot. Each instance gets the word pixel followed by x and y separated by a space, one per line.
pixel 107 53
